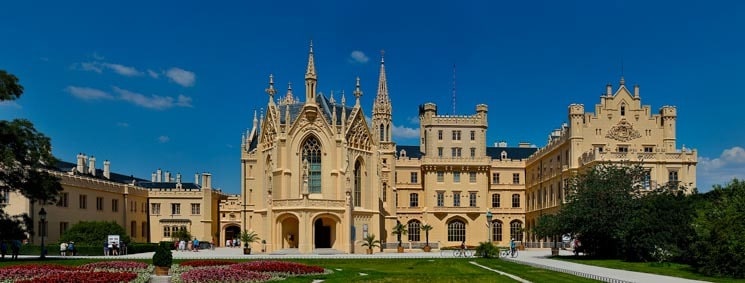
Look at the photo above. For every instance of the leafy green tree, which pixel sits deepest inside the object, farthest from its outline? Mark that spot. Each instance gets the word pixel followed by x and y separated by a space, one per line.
pixel 181 235
pixel 25 155
pixel 720 225
pixel 398 230
pixel 93 233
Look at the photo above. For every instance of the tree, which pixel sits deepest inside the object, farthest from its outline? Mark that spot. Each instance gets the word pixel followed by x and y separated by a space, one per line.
pixel 398 230
pixel 426 228
pixel 370 242
pixel 181 235
pixel 719 224
pixel 25 157
pixel 92 233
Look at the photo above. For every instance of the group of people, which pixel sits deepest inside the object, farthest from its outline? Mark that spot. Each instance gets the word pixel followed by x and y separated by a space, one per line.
pixel 182 245
pixel 15 247
pixel 67 249
pixel 233 243
pixel 114 248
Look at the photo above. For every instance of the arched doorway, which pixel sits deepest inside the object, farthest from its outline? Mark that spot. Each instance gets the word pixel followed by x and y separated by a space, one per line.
pixel 289 231
pixel 324 233
pixel 232 232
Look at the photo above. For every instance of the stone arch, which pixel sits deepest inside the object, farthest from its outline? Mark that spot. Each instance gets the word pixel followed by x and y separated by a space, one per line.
pixel 326 231
pixel 288 231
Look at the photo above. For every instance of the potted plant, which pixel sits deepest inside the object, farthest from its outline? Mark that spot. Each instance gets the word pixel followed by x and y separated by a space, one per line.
pixel 248 238
pixel 398 230
pixel 426 228
pixel 370 243
pixel 162 259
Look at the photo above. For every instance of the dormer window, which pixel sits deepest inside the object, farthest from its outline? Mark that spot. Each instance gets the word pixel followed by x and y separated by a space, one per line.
pixel 623 110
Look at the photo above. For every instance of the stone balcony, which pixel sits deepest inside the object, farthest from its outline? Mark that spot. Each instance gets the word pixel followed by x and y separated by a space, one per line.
pixel 654 157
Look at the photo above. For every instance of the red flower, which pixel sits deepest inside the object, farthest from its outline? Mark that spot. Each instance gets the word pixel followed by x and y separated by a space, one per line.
pixel 201 263
pixel 280 267
pixel 84 276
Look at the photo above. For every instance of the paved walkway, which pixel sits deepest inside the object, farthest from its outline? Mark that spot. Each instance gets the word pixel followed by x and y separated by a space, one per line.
pixel 536 258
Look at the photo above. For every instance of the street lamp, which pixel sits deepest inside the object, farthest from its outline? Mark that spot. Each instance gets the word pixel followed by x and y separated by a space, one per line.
pixel 43 218
pixel 488 220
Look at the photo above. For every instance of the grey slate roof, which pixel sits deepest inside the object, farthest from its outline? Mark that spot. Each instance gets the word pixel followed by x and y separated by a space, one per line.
pixel 63 166
pixel 412 151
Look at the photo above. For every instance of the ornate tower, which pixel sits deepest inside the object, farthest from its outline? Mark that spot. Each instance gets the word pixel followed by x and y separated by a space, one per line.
pixel 381 128
pixel 310 78
pixel 381 115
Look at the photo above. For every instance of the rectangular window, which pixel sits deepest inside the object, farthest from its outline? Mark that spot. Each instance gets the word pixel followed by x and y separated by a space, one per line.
pixel 195 209
pixel 439 152
pixel 456 198
pixel 155 208
pixel 495 199
pixel 99 203
pixel 648 149
pixel 143 230
pixel 623 148
pixel 456 177
pixel 175 208
pixel 672 176
pixel 472 199
pixel 472 177
pixel 414 177
pixel 440 199
pixel 455 152
pixel 133 228
pixel 516 178
pixel 646 180
pixel 83 201
pixel 439 134
pixel 456 135
pixel 5 197
pixel 516 200
pixel 115 205
pixel 167 231
pixel 495 178
pixel 63 199
pixel 440 176
pixel 63 227
pixel 473 135
pixel 414 200
pixel 473 152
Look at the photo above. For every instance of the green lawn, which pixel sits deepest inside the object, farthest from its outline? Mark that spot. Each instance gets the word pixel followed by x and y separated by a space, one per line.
pixel 672 269
pixel 405 270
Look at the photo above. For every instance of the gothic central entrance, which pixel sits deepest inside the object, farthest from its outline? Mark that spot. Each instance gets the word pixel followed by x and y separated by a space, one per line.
pixel 322 233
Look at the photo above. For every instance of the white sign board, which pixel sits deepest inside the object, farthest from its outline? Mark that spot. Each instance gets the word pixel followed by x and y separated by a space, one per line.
pixel 113 239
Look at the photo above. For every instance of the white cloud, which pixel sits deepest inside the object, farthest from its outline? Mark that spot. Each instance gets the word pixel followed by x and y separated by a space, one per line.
pixel 183 101
pixel 153 74
pixel 123 70
pixel 413 120
pixel 152 102
pixel 402 132
pixel 359 57
pixel 87 93
pixel 729 165
pixel 91 67
pixel 122 124
pixel 163 139
pixel 12 104
pixel 181 76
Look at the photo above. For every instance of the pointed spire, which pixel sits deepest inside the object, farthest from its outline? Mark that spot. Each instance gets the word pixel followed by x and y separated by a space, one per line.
pixel 289 98
pixel 331 99
pixel 256 121
pixel 310 72
pixel 357 93
pixel 382 96
pixel 270 90
pixel 622 81
pixel 343 98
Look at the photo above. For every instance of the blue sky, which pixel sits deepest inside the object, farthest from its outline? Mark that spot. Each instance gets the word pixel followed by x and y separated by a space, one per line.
pixel 173 84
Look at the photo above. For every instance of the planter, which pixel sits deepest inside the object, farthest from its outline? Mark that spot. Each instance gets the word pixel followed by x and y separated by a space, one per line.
pixel 369 251
pixel 161 270
pixel 427 248
pixel 400 249
pixel 246 251
pixel 554 251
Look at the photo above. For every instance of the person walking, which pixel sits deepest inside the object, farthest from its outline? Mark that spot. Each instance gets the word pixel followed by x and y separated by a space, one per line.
pixel 15 247
pixel 63 249
pixel 512 247
pixel 195 245
pixel 105 248
pixel 71 248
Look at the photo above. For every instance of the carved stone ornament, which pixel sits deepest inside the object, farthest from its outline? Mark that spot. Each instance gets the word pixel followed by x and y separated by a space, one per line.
pixel 623 132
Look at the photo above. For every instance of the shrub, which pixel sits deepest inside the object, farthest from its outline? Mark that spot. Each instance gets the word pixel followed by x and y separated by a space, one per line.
pixel 487 250
pixel 93 233
pixel 163 256
pixel 136 248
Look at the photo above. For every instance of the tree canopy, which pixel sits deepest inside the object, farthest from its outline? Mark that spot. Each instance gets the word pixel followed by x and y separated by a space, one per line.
pixel 93 233
pixel 25 153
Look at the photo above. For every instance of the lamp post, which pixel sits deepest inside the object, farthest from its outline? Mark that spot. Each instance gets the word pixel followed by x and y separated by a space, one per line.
pixel 488 220
pixel 43 218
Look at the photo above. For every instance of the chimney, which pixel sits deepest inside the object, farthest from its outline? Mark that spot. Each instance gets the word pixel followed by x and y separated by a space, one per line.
pixel 107 169
pixel 168 177
pixel 206 180
pixel 80 163
pixel 152 177
pixel 92 169
pixel 158 176
pixel 523 145
pixel 85 164
pixel 178 177
pixel 609 90
pixel 196 179
pixel 636 91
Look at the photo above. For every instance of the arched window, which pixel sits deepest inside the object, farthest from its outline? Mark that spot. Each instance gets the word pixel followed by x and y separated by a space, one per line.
pixel 495 200
pixel 623 109
pixel 312 153
pixel 413 200
pixel 456 231
pixel 385 191
pixel 496 230
pixel 516 200
pixel 387 133
pixel 516 228
pixel 414 227
pixel 382 132
pixel 357 183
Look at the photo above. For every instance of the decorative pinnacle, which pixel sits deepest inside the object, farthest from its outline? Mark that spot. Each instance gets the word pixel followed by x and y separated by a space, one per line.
pixel 382 56
pixel 622 82
pixel 271 91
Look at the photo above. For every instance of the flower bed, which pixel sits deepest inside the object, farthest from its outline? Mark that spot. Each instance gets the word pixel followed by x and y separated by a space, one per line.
pixel 116 265
pixel 221 274
pixel 279 267
pixel 83 276
pixel 20 272
pixel 204 263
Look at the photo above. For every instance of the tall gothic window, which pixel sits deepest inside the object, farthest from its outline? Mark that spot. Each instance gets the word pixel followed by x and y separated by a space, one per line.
pixel 414 226
pixel 357 183
pixel 312 153
pixel 385 191
pixel 496 230
pixel 382 132
pixel 456 231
